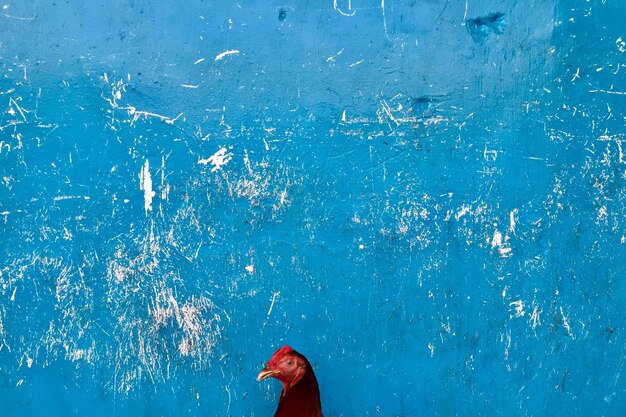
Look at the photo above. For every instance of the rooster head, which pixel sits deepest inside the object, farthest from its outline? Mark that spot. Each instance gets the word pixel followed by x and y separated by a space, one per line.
pixel 286 365
pixel 301 395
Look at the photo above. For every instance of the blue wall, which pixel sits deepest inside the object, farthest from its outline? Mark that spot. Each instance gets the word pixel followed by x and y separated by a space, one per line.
pixel 425 197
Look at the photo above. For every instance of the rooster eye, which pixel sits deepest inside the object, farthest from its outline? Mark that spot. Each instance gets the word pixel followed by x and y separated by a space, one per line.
pixel 290 362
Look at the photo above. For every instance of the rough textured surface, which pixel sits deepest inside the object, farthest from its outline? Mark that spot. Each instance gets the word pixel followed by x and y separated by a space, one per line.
pixel 425 198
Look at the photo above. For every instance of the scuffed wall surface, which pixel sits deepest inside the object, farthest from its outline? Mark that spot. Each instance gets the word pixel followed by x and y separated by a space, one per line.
pixel 426 198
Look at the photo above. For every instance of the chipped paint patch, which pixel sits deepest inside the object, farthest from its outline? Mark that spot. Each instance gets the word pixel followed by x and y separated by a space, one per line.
pixel 145 184
pixel 218 160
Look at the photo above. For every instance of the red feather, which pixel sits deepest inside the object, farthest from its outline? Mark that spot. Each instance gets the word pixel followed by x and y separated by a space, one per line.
pixel 300 396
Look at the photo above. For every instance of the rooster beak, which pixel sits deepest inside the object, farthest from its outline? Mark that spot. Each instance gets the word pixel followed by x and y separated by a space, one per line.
pixel 266 373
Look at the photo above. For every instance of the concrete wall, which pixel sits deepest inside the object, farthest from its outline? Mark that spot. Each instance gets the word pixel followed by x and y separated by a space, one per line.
pixel 426 198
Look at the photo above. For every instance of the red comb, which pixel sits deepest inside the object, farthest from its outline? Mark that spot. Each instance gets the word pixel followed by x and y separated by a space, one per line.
pixel 279 354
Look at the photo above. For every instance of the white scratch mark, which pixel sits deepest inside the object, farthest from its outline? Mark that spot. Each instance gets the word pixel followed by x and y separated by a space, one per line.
pixel 620 93
pixel 225 53
pixel 332 57
pixel 199 61
pixel 9 16
pixel 228 391
pixel 387 110
pixel 435 120
pixel 189 86
pixel 357 63
pixel 283 196
pixel 565 322
pixel 17 107
pixel 465 13
pixel 218 159
pixel 382 6
pixel 490 154
pixel 534 317
pixel 507 345
pixel 350 11
pixel 71 197
pixel 132 111
pixel 145 184
pixel 616 139
pixel 136 114
pixel 269 312
pixel 519 308
pixel 165 188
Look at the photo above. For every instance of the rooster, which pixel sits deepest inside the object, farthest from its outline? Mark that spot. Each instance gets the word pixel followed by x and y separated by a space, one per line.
pixel 300 396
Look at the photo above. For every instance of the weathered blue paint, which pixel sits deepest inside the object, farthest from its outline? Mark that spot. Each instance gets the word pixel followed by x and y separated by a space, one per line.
pixel 425 198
